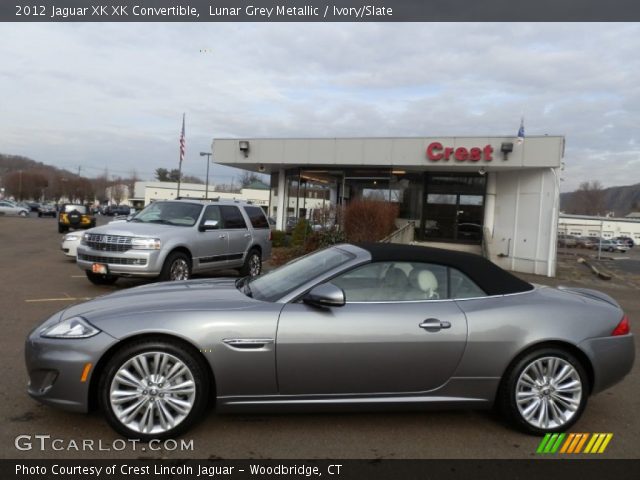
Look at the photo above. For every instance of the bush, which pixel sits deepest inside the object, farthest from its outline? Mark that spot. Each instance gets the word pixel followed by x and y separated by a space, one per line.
pixel 279 238
pixel 369 220
pixel 300 233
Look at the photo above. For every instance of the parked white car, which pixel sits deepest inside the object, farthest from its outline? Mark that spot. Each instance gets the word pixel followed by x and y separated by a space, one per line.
pixel 10 208
pixel 70 243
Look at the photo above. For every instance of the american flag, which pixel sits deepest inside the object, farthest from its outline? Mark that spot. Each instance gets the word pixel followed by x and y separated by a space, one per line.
pixel 182 141
pixel 520 131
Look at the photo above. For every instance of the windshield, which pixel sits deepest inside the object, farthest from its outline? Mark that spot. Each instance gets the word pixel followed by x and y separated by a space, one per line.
pixel 170 213
pixel 277 283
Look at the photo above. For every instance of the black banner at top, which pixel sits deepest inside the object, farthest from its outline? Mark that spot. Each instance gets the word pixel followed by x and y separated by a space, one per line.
pixel 319 11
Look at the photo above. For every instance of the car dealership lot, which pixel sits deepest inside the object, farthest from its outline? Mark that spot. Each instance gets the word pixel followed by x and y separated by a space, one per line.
pixel 38 280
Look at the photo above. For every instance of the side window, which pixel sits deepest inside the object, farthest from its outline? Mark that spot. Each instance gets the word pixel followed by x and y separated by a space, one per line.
pixel 232 217
pixel 394 281
pixel 257 217
pixel 462 286
pixel 212 212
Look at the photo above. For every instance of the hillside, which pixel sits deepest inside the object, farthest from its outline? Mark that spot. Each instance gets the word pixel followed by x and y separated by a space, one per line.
pixel 619 200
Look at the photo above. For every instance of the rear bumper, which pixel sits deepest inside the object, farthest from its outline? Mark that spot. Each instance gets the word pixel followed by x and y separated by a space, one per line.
pixel 612 359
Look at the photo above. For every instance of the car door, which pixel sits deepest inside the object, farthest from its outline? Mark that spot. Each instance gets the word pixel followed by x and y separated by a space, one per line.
pixel 393 335
pixel 211 244
pixel 237 232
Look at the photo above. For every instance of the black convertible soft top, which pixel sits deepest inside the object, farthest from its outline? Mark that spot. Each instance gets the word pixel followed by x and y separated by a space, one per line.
pixel 487 275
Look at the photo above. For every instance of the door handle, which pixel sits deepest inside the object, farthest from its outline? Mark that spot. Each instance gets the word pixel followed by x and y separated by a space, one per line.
pixel 434 325
pixel 247 235
pixel 222 236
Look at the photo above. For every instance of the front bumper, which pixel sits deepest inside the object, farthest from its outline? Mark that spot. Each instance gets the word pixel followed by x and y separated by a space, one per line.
pixel 55 368
pixel 612 359
pixel 132 263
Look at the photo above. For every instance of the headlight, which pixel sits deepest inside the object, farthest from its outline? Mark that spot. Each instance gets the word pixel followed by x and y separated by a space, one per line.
pixel 84 238
pixel 75 327
pixel 141 243
pixel 71 237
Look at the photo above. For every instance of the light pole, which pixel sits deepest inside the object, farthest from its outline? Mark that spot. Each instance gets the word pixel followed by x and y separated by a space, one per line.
pixel 206 191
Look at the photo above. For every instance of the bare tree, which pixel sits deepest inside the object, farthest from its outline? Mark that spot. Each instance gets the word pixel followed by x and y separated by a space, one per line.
pixel 131 182
pixel 247 178
pixel 191 179
pixel 588 199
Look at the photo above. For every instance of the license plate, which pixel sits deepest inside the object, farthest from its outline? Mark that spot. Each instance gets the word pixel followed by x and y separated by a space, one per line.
pixel 99 268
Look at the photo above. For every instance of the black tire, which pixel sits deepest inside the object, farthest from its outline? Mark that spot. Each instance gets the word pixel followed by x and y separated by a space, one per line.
pixel 98 279
pixel 506 400
pixel 177 266
pixel 252 264
pixel 197 374
pixel 23 213
pixel 62 229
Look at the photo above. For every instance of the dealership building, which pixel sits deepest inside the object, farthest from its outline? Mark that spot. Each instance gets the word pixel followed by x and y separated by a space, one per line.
pixel 490 195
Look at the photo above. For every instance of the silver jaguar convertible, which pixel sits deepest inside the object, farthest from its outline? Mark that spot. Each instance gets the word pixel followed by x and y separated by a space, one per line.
pixel 371 326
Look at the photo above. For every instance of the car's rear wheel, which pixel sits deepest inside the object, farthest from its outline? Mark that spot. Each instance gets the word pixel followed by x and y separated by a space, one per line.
pixel 544 391
pixel 252 264
pixel 23 213
pixel 177 266
pixel 100 279
pixel 153 389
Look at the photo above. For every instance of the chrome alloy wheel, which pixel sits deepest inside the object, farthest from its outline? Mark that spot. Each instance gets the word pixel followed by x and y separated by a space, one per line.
pixel 179 270
pixel 152 392
pixel 548 392
pixel 255 265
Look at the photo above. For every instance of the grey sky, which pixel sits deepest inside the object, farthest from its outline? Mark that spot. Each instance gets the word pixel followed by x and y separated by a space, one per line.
pixel 96 95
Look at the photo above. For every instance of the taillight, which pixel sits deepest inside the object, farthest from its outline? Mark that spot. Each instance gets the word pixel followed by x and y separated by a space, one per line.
pixel 623 327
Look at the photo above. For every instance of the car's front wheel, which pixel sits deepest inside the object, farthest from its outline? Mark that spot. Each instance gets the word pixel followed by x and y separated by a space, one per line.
pixel 23 213
pixel 100 279
pixel 177 266
pixel 544 391
pixel 252 264
pixel 153 389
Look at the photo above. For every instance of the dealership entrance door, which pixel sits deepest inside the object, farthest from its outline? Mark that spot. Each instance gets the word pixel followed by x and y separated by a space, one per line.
pixel 453 209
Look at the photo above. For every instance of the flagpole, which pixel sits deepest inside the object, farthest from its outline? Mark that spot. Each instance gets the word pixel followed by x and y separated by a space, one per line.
pixel 182 148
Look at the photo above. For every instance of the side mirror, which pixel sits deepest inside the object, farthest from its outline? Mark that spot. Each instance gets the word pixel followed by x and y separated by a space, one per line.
pixel 325 295
pixel 209 225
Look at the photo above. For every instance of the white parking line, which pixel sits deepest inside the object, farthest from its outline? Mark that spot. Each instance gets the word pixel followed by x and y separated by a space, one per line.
pixel 64 299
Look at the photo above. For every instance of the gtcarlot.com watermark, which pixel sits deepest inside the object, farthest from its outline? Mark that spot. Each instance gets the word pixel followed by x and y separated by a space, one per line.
pixel 41 442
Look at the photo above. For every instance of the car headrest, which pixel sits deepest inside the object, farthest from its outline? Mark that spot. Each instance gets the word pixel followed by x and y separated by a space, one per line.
pixel 424 280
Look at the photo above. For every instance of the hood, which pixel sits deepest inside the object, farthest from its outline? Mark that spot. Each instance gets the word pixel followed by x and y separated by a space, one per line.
pixel 138 229
pixel 190 295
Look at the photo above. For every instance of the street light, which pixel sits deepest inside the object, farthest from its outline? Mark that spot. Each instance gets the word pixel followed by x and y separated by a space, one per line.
pixel 206 191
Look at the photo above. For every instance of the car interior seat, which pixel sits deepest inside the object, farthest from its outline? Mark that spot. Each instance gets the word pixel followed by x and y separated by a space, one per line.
pixel 395 284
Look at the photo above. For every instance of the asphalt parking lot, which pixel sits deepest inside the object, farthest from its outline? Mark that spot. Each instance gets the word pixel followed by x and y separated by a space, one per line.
pixel 38 280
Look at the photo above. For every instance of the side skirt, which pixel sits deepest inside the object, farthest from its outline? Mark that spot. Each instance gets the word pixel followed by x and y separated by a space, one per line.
pixel 458 393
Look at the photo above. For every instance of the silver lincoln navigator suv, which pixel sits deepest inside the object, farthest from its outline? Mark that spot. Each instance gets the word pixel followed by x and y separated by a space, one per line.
pixel 173 239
